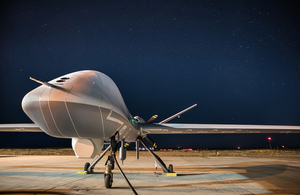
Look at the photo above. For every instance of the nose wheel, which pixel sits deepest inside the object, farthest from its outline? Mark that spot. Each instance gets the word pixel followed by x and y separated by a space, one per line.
pixel 108 181
pixel 108 176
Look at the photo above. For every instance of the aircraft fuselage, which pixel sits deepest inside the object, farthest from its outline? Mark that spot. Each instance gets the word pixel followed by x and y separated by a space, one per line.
pixel 83 104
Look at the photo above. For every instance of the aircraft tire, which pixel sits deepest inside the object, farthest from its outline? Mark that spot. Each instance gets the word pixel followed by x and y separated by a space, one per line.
pixel 86 167
pixel 108 181
pixel 170 168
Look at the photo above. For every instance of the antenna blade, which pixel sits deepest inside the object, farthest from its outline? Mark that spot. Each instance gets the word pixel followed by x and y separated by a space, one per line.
pixel 41 82
pixel 51 85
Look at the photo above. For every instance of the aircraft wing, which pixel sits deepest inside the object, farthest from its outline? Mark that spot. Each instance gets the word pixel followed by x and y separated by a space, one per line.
pixel 173 128
pixel 30 127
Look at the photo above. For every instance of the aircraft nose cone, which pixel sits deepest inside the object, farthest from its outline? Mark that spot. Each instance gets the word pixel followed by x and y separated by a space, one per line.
pixel 33 106
pixel 27 102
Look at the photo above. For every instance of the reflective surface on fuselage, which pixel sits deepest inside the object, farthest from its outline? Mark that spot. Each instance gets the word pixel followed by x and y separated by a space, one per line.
pixel 85 104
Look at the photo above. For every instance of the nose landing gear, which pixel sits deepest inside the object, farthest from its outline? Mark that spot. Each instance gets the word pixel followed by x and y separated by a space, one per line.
pixel 112 158
pixel 110 165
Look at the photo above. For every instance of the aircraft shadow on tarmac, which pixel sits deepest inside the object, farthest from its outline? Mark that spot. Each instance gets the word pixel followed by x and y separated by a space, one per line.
pixel 253 172
pixel 250 173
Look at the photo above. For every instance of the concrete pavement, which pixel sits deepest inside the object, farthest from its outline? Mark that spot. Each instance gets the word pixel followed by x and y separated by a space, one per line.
pixel 196 175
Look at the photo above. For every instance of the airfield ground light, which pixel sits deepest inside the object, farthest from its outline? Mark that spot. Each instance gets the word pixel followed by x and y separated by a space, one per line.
pixel 270 140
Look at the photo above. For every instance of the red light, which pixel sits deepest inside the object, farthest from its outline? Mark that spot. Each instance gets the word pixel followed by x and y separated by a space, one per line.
pixel 269 138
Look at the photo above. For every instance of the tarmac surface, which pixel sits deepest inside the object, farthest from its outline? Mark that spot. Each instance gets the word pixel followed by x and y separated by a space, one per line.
pixel 196 175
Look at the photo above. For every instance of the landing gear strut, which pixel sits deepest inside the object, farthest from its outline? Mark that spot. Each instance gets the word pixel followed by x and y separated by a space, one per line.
pixel 90 168
pixel 158 160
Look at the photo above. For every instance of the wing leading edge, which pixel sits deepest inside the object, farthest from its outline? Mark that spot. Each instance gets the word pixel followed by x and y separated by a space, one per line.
pixel 179 128
pixel 30 127
pixel 173 128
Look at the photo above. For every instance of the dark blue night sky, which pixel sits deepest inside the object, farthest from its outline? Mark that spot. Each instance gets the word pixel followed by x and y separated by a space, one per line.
pixel 239 60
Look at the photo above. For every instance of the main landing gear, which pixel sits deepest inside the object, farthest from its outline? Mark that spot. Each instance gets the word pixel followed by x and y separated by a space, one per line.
pixel 90 168
pixel 158 160
pixel 111 160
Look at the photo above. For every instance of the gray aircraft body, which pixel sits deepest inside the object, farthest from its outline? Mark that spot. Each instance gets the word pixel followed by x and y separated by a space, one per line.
pixel 87 107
